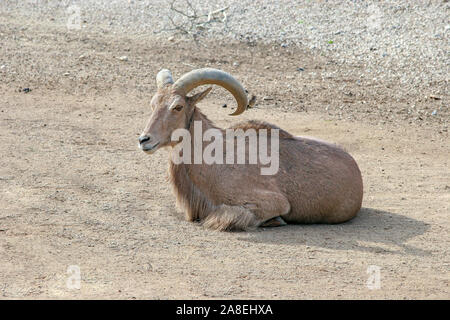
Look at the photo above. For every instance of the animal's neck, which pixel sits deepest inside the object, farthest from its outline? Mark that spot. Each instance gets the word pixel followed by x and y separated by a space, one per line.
pixel 190 196
pixel 198 116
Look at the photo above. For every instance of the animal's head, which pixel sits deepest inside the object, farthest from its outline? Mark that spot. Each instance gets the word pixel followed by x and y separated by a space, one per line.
pixel 172 108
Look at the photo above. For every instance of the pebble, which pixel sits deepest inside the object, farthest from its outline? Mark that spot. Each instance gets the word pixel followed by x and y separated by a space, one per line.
pixel 123 58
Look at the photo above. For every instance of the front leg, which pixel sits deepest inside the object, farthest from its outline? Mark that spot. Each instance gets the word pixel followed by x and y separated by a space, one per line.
pixel 231 218
pixel 252 211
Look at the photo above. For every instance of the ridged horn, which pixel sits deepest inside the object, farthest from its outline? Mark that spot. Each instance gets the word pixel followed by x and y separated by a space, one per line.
pixel 163 78
pixel 199 77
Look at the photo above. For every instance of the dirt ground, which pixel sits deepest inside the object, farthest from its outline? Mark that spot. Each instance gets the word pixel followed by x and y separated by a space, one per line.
pixel 76 190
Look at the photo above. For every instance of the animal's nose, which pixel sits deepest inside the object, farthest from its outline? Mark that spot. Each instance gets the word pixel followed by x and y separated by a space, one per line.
pixel 143 139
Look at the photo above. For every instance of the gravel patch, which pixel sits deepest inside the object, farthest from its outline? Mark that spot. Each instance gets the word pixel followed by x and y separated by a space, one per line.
pixel 393 40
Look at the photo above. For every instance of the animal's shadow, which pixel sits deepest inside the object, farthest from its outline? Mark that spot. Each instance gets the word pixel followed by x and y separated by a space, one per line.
pixel 371 231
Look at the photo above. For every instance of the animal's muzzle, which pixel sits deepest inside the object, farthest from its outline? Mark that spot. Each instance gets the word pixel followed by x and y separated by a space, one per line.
pixel 144 139
pixel 146 144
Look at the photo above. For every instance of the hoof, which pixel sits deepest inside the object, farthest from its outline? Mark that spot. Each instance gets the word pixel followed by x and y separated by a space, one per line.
pixel 274 222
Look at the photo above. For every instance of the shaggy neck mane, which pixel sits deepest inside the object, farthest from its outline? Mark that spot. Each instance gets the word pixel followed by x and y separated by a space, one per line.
pixel 189 196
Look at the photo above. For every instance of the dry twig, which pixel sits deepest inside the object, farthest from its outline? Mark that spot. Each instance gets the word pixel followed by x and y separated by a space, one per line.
pixel 190 22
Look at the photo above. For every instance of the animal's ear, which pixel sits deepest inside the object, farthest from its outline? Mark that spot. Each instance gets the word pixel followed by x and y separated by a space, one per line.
pixel 198 97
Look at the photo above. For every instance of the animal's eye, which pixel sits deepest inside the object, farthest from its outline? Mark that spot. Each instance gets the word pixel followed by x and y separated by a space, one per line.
pixel 178 107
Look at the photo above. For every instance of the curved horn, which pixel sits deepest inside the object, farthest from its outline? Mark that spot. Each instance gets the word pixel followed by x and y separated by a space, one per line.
pixel 163 78
pixel 200 77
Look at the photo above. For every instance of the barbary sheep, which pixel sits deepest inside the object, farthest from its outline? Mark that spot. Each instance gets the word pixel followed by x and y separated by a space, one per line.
pixel 313 182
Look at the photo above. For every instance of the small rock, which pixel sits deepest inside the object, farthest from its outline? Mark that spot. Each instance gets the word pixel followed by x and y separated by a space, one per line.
pixel 284 45
pixel 148 267
pixel 434 113
pixel 235 64
pixel 26 90
pixel 67 73
pixel 2 67
pixel 123 58
pixel 267 98
pixel 252 102
pixel 224 105
pixel 171 39
pixel 300 69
